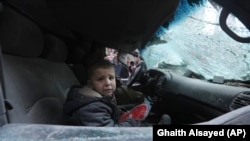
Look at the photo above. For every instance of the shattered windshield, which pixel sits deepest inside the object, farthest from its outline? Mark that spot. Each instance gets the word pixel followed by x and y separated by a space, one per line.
pixel 194 41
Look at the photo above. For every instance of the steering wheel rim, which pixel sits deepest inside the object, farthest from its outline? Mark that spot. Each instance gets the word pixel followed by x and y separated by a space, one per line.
pixel 135 75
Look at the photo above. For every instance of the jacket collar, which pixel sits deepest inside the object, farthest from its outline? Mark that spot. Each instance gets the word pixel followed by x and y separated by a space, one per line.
pixel 89 92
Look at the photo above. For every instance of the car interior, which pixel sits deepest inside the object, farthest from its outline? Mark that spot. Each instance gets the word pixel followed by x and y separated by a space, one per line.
pixel 35 86
pixel 43 48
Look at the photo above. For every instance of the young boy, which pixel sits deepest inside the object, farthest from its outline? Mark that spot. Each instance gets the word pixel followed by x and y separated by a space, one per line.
pixel 95 104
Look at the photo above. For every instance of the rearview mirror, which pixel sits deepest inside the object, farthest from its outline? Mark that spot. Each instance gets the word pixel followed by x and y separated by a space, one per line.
pixel 228 29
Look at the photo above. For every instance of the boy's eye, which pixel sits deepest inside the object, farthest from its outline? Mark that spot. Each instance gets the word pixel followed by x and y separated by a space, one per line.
pixel 111 77
pixel 103 78
pixel 100 78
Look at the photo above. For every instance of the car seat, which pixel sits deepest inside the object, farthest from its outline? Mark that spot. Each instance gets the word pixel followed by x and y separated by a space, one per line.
pixel 36 77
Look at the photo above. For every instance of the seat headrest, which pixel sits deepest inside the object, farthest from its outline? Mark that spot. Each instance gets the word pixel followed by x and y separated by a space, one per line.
pixel 19 35
pixel 55 49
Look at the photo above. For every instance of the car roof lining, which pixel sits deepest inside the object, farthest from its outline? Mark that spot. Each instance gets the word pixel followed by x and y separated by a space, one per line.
pixel 39 13
pixel 129 30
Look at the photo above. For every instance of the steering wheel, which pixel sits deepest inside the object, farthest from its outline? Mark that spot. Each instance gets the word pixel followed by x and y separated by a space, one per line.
pixel 154 82
pixel 135 75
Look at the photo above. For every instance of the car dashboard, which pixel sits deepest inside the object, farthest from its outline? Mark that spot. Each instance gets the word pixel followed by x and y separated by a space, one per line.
pixel 192 96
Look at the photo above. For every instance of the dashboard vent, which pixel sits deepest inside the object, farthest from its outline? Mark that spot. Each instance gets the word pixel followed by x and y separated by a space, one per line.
pixel 243 99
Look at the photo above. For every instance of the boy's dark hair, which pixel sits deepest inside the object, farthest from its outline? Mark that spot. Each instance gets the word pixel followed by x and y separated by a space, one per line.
pixel 102 63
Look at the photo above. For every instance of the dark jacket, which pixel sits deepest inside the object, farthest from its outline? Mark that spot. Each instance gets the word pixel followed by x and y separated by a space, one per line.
pixel 86 107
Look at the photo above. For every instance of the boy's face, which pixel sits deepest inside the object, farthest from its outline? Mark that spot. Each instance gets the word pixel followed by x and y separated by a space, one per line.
pixel 103 81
